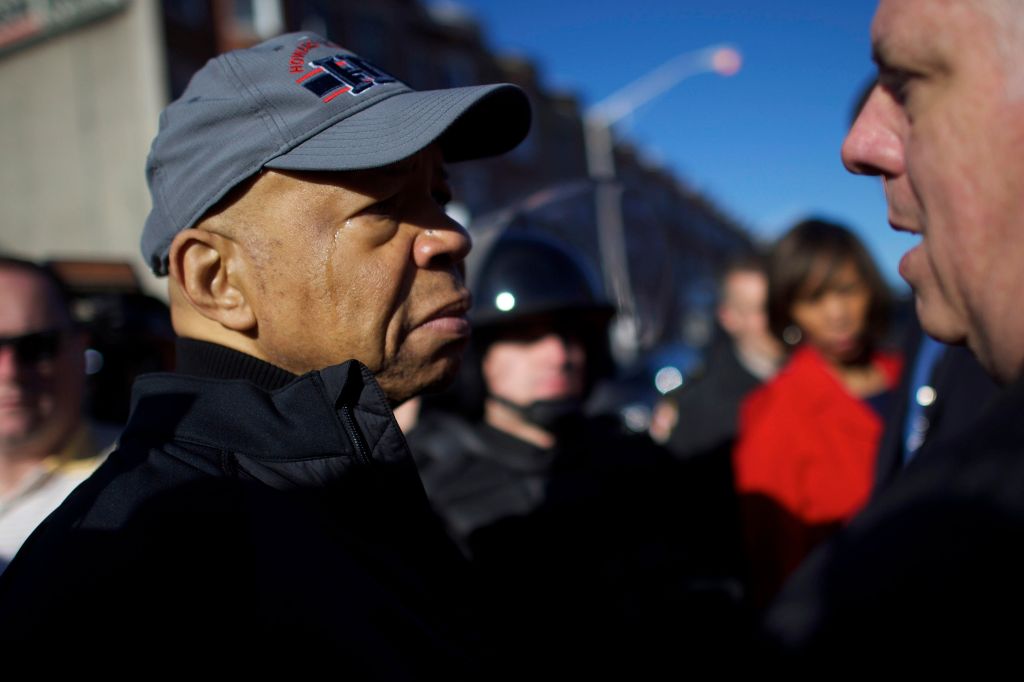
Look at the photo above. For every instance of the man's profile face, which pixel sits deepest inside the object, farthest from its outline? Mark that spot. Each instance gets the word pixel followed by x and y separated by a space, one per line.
pixel 41 377
pixel 363 265
pixel 946 134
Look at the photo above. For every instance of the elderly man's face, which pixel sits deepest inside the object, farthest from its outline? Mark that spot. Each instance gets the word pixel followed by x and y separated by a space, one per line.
pixel 946 133
pixel 42 372
pixel 362 265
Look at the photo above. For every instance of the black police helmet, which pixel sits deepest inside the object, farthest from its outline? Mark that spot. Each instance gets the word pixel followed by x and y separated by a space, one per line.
pixel 526 275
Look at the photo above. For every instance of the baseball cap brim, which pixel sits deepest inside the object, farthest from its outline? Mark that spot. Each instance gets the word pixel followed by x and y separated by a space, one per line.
pixel 469 122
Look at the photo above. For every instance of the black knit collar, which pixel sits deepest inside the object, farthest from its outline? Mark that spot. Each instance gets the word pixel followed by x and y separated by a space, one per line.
pixel 212 361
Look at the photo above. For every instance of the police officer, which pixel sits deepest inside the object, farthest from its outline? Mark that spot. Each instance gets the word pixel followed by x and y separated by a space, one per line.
pixel 575 528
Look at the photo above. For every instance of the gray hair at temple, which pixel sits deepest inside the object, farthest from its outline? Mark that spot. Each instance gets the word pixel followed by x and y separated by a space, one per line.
pixel 1007 17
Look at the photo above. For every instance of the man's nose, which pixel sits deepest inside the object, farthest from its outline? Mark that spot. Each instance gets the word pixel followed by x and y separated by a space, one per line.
pixel 442 244
pixel 873 145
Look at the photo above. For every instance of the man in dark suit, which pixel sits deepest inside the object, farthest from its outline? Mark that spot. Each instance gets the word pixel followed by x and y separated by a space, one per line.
pixel 943 391
pixel 931 569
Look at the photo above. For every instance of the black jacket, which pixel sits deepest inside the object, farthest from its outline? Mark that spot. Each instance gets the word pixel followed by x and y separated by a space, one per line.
pixel 963 391
pixel 233 517
pixel 598 555
pixel 709 404
pixel 930 571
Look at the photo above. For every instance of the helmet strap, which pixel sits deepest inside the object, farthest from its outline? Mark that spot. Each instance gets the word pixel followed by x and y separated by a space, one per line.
pixel 547 414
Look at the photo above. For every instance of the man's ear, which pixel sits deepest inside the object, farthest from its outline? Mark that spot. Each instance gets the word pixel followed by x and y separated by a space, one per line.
pixel 208 269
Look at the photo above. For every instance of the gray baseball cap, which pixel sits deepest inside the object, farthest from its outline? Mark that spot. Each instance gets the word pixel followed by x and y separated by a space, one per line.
pixel 299 102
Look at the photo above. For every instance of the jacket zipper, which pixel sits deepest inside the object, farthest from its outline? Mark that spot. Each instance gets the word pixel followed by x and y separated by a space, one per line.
pixel 362 451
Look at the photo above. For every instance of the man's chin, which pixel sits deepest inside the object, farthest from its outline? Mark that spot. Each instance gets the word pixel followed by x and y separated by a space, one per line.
pixel 17 441
pixel 939 323
pixel 400 387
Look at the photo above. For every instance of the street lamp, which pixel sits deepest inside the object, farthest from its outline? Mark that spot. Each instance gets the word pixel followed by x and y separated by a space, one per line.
pixel 597 127
pixel 724 60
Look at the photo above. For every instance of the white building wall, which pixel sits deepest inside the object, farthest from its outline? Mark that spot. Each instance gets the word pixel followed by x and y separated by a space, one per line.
pixel 77 114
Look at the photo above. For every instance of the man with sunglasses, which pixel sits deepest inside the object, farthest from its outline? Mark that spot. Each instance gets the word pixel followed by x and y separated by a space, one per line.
pixel 46 447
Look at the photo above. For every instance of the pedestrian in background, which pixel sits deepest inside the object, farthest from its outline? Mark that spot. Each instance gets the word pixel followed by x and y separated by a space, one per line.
pixel 47 446
pixel 704 411
pixel 805 459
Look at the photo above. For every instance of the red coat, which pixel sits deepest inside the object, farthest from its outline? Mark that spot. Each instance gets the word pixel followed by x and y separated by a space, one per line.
pixel 804 462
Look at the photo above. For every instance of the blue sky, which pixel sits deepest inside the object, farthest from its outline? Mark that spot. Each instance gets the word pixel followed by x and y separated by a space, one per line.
pixel 763 144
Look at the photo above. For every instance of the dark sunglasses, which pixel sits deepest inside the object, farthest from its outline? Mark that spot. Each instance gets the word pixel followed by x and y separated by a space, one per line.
pixel 31 349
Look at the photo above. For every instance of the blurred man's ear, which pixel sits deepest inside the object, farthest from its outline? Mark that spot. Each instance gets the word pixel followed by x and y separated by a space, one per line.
pixel 208 271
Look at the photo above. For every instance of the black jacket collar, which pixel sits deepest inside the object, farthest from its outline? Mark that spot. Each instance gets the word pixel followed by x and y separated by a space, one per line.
pixel 210 360
pixel 303 434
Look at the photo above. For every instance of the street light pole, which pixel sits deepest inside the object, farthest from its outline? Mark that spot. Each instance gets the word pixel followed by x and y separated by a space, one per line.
pixel 721 59
pixel 600 146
